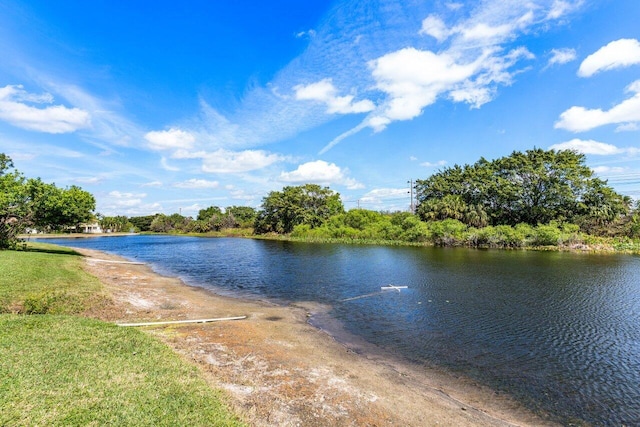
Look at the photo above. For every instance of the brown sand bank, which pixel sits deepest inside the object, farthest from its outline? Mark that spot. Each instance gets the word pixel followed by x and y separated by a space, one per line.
pixel 280 371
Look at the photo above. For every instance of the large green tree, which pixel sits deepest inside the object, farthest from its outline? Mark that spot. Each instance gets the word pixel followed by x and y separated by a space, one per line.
pixel 55 208
pixel 534 187
pixel 33 203
pixel 241 216
pixel 14 206
pixel 308 204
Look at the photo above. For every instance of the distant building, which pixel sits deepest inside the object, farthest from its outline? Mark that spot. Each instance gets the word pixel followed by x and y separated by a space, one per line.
pixel 90 228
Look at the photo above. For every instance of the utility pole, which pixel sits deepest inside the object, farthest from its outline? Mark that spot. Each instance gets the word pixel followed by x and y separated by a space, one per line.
pixel 412 207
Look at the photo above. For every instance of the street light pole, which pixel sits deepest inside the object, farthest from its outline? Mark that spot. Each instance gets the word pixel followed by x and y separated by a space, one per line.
pixel 412 207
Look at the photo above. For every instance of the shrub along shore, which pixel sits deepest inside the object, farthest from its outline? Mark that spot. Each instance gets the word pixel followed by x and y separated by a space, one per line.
pixel 60 368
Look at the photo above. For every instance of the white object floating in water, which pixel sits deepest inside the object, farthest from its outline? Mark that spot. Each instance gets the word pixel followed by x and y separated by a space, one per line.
pixel 393 287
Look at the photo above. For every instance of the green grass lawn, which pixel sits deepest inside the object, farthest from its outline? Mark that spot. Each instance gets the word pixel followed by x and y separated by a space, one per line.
pixel 69 370
pixel 38 282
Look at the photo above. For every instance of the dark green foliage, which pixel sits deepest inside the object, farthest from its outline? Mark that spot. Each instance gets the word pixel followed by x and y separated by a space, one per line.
pixel 241 216
pixel 534 187
pixel 208 213
pixel 142 223
pixel 307 204
pixel 33 203
pixel 14 203
pixel 166 223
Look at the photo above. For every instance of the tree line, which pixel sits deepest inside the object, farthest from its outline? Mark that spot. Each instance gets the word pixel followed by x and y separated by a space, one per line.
pixel 534 187
pixel 535 197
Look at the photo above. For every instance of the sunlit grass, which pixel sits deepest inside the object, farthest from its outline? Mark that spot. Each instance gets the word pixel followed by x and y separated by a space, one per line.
pixel 62 370
pixel 45 279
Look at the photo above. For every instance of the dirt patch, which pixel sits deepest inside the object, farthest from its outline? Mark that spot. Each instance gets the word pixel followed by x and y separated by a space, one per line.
pixel 280 371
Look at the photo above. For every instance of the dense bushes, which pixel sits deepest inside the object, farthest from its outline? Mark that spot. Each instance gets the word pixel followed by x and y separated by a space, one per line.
pixel 367 226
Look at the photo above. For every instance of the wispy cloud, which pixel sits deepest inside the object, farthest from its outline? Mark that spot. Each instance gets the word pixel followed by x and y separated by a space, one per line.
pixel 472 61
pixel 166 166
pixel 608 170
pixel 197 183
pixel 109 127
pixel 387 198
pixel 324 92
pixel 439 163
pixel 15 110
pixel 356 65
pixel 125 203
pixel 152 184
pixel 561 56
pixel 224 161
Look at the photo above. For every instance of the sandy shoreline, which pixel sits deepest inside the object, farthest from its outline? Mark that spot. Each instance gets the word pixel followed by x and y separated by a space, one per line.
pixel 280 371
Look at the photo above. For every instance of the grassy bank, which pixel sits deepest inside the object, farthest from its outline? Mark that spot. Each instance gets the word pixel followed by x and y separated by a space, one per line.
pixel 69 370
pixel 46 279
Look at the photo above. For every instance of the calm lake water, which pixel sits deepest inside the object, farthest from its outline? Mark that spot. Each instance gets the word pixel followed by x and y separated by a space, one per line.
pixel 558 331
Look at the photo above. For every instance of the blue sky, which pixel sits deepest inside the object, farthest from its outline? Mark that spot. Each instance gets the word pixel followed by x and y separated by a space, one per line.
pixel 176 106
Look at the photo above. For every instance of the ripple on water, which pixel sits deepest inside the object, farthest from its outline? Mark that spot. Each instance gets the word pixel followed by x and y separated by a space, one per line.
pixel 560 332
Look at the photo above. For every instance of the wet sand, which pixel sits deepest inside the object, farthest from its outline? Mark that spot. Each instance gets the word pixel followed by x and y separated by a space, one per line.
pixel 278 370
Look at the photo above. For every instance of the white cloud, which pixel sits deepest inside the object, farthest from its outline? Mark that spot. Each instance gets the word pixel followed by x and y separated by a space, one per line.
pixel 241 194
pixel 166 166
pixel 434 165
pixel 107 125
pixel 169 139
pixel 125 200
pixel 605 170
pixel 152 184
pixel 478 30
pixel 320 172
pixel 16 156
pixel 588 147
pixel 628 127
pixel 197 183
pixel 626 114
pixel 387 198
pixel 561 56
pixel 123 203
pixel 562 7
pixel 310 33
pixel 224 161
pixel 191 210
pixel 413 79
pixel 617 54
pixel 89 180
pixel 51 119
pixel 433 26
pixel 324 91
pixel 468 70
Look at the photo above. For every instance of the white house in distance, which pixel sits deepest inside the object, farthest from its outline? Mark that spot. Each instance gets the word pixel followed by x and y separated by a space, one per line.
pixel 91 228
